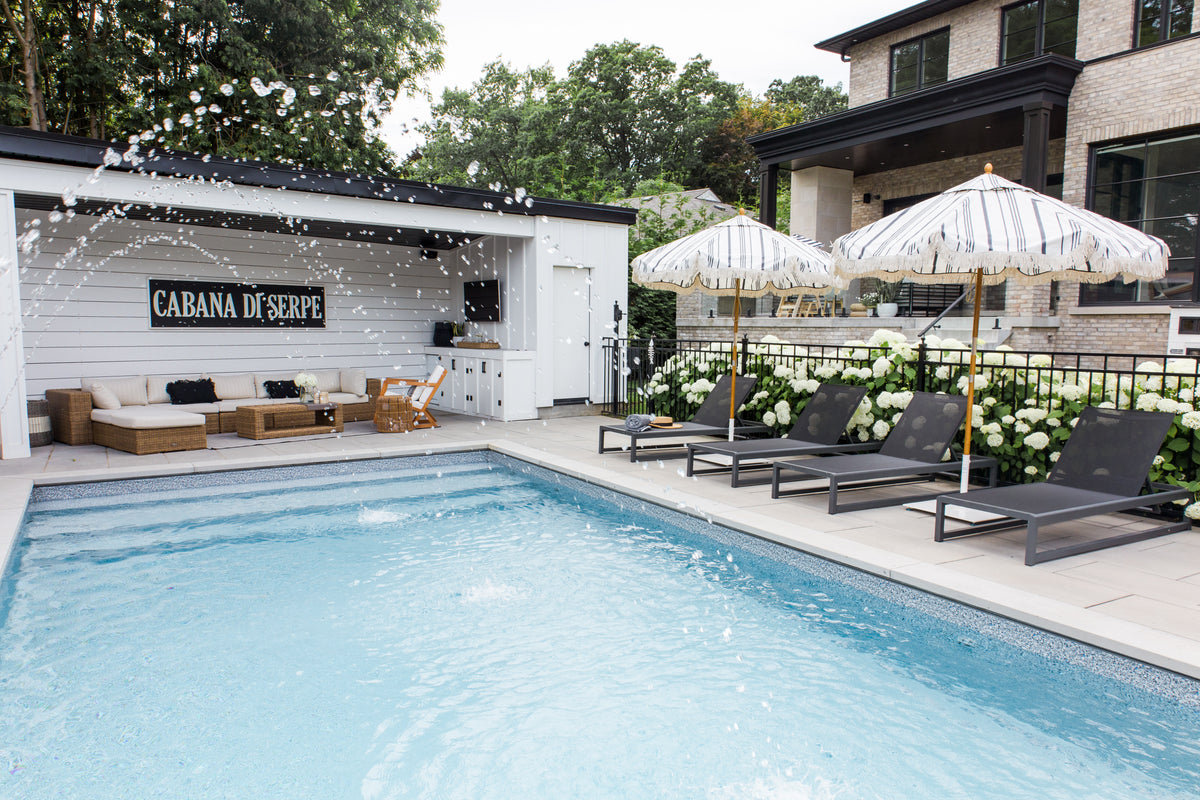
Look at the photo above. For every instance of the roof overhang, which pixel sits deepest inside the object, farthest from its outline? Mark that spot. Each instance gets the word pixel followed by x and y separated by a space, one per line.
pixel 21 144
pixel 976 114
pixel 842 43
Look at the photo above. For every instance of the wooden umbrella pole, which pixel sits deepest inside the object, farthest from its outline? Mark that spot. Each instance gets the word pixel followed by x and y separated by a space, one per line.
pixel 966 467
pixel 737 313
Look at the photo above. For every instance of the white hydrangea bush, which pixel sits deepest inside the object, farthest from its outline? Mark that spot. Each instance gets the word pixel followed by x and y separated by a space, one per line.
pixel 1025 406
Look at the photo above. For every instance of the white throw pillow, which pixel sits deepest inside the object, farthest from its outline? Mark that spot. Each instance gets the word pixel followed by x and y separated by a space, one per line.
pixel 129 391
pixel 354 381
pixel 103 397
pixel 233 387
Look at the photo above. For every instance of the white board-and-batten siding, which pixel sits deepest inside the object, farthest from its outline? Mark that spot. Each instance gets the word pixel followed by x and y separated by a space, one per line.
pixel 85 302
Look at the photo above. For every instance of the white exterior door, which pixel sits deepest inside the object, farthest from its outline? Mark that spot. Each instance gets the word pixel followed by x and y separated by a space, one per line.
pixel 572 334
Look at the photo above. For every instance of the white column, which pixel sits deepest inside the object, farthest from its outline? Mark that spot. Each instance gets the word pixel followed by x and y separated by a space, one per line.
pixel 821 202
pixel 14 413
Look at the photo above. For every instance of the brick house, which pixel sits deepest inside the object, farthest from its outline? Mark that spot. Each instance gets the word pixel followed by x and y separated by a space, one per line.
pixel 1093 101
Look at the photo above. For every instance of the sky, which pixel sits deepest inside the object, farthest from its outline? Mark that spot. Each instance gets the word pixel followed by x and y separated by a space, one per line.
pixel 730 34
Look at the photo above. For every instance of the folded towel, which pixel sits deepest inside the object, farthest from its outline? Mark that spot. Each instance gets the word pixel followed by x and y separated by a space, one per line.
pixel 638 422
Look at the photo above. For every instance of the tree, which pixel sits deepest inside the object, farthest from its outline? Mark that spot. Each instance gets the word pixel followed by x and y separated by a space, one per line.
pixel 302 81
pixel 501 131
pixel 807 92
pixel 652 311
pixel 622 114
pixel 631 117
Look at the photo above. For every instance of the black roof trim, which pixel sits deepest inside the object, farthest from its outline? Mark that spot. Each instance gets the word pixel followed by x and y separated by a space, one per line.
pixel 30 145
pixel 893 22
pixel 1048 78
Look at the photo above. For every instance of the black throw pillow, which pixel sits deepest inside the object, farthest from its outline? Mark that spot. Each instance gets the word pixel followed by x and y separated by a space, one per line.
pixel 278 390
pixel 187 392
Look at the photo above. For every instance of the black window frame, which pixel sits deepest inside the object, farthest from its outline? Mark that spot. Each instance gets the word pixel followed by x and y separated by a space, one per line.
pixel 1146 140
pixel 1039 31
pixel 920 41
pixel 1164 17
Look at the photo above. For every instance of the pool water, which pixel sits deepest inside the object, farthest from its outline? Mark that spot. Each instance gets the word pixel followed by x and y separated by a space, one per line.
pixel 480 629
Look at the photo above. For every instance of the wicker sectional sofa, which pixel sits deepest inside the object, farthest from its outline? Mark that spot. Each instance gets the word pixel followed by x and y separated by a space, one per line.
pixel 140 418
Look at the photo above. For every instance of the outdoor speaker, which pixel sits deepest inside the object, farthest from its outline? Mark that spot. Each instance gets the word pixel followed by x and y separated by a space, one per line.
pixel 443 334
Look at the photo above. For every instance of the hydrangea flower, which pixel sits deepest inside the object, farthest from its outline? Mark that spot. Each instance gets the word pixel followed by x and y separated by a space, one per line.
pixel 995 440
pixel 1191 420
pixel 1031 470
pixel 1192 511
pixel 783 413
pixel 880 429
pixel 1037 440
pixel 769 418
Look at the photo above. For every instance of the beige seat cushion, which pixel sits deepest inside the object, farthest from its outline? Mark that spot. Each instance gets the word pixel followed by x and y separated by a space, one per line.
pixel 147 417
pixel 233 387
pixel 225 406
pixel 129 391
pixel 346 397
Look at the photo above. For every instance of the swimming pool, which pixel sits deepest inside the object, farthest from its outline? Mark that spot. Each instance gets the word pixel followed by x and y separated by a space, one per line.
pixel 472 627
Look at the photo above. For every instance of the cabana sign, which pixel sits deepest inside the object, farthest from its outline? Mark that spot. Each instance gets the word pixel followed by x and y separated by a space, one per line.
pixel 205 304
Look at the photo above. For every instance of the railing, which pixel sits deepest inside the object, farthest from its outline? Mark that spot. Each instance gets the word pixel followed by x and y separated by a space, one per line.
pixel 632 362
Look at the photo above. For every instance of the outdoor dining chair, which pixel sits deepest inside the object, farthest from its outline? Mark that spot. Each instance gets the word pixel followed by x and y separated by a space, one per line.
pixel 913 450
pixel 710 419
pixel 820 429
pixel 1104 467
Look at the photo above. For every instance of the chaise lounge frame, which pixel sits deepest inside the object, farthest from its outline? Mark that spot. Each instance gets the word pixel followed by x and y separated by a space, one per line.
pixel 912 452
pixel 1075 489
pixel 711 419
pixel 819 430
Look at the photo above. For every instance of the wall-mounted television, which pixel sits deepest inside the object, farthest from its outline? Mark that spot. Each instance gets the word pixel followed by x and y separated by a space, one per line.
pixel 481 301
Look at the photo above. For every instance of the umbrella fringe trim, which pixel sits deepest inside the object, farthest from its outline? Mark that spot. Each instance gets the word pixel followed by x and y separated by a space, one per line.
pixel 1024 268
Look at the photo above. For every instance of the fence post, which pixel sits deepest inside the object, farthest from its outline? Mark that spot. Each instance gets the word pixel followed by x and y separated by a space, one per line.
pixel 921 366
pixel 745 353
pixel 615 344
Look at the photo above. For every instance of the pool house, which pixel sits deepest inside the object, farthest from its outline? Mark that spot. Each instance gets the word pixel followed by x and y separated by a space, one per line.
pixel 124 260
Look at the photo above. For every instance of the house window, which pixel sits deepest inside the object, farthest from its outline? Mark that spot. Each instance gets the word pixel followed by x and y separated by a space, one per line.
pixel 1159 20
pixel 1152 185
pixel 1038 27
pixel 920 63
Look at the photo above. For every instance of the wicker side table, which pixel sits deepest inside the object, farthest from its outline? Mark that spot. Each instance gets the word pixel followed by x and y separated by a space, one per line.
pixel 393 414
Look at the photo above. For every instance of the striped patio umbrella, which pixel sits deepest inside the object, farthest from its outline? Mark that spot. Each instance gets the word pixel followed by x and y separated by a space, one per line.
pixel 989 230
pixel 736 257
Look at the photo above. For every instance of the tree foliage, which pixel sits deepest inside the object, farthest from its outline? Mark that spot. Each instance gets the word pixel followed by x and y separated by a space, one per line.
pixel 623 113
pixel 301 81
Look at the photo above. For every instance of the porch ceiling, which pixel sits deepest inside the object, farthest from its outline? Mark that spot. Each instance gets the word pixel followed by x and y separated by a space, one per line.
pixel 976 114
pixel 425 239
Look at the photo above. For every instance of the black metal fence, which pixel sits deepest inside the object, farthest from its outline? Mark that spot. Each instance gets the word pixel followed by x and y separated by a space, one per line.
pixel 1028 400
pixel 1017 377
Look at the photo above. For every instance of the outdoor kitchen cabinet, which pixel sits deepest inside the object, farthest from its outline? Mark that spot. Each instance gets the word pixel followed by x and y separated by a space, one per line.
pixel 496 384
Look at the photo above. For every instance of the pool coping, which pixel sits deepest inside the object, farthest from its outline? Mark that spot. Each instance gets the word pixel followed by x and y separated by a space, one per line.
pixel 1158 648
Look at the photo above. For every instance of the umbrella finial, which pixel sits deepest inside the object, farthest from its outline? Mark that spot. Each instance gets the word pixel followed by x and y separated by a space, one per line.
pixel 741 212
pixel 987 168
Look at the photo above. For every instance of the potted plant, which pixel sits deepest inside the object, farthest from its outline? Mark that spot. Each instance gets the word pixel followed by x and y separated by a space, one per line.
pixel 885 294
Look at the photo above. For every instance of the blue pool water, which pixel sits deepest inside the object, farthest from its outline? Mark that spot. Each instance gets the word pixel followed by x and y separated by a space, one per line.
pixel 474 628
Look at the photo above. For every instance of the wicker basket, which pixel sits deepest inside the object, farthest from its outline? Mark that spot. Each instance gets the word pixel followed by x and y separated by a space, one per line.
pixel 40 433
pixel 393 414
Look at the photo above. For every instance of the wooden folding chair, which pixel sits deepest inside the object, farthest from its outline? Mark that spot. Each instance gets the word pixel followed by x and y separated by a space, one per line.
pixel 423 392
